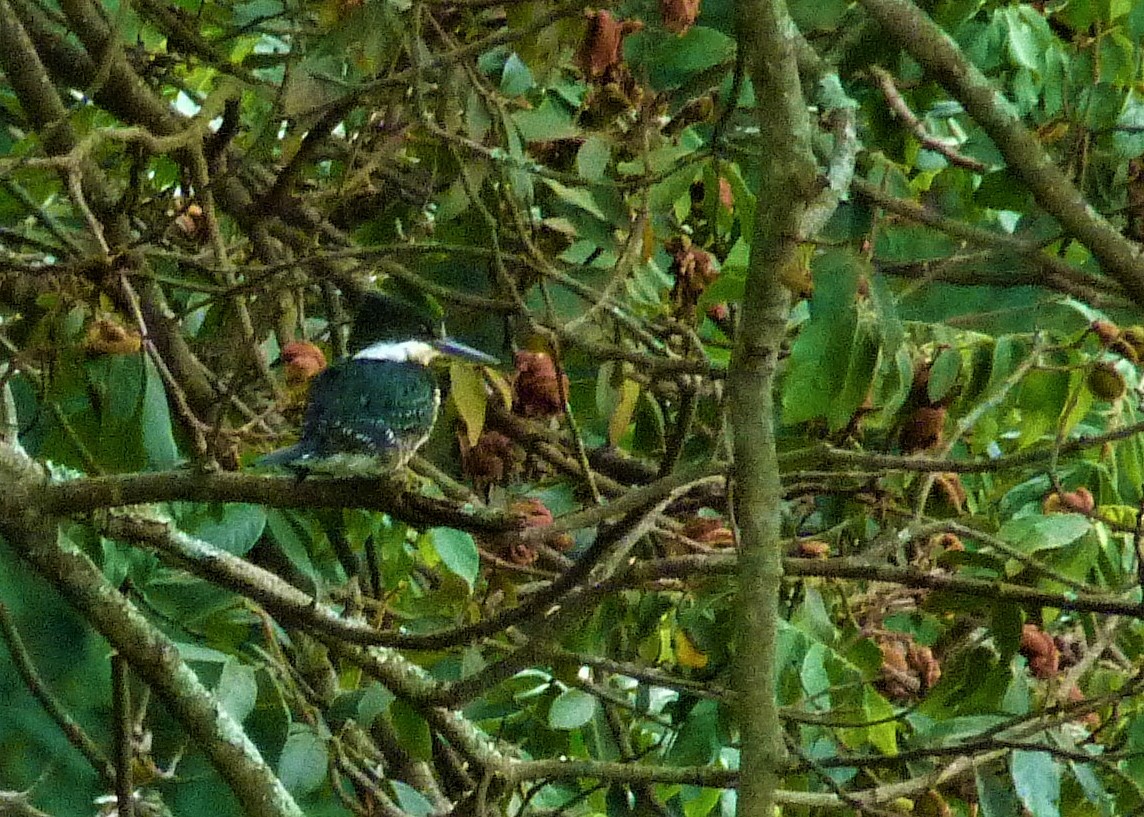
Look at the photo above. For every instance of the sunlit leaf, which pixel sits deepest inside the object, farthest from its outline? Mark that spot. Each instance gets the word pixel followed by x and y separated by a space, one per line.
pixel 457 550
pixel 572 709
pixel 469 396
pixel 303 763
pixel 1037 781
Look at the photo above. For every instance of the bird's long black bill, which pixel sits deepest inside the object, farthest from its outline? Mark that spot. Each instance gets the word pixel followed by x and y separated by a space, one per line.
pixel 459 350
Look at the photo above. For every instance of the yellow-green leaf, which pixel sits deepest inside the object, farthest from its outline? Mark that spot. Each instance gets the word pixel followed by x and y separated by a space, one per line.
pixel 470 398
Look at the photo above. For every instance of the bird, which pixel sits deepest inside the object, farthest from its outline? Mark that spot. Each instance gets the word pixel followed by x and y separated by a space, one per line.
pixel 368 414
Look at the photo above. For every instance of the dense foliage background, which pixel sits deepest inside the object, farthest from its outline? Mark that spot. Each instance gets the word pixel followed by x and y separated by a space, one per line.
pixel 544 621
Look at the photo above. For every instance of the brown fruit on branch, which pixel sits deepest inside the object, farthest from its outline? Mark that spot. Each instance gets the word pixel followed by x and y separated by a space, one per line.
pixel 948 541
pixel 494 460
pixel 303 361
pixel 1106 332
pixel 536 391
pixel 1134 337
pixel 678 15
pixel 532 512
pixel 1079 501
pixel 106 337
pixel 602 49
pixel 932 804
pixel 694 270
pixel 1040 650
pixel 709 530
pixel 924 429
pixel 1105 382
pixel 813 549
pixel 1121 347
pixel 947 486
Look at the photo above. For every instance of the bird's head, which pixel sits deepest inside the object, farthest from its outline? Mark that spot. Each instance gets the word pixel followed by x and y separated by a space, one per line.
pixel 393 329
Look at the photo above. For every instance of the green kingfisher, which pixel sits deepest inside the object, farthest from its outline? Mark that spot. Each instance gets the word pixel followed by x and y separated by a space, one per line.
pixel 368 414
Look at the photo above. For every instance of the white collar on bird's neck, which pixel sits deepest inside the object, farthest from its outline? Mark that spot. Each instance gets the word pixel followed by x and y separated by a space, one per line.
pixel 406 351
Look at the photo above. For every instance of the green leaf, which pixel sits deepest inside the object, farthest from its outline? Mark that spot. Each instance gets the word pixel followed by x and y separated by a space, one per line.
pixel 820 359
pixel 467 390
pixel 158 437
pixel 237 689
pixel 671 61
pixel 572 709
pixel 698 739
pixel 994 795
pixel 943 374
pixel 233 527
pixel 458 552
pixel 1024 46
pixel 284 530
pixel 1007 621
pixel 859 375
pixel 699 802
pixel 593 157
pixel 882 731
pixel 576 196
pixel 1032 533
pixel 411 801
pixel 546 122
pixel 303 762
pixel 411 730
pixel 516 78
pixel 1037 780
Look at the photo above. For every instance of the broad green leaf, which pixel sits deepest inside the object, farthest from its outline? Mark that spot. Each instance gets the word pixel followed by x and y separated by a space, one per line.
pixel 516 78
pixel 859 376
pixel 233 527
pixel 882 733
pixel 577 196
pixel 1032 533
pixel 547 121
pixel 670 61
pixel 237 689
pixel 411 730
pixel 943 374
pixel 303 763
pixel 572 709
pixel 1037 781
pixel 995 794
pixel 158 436
pixel 458 552
pixel 284 528
pixel 1024 45
pixel 469 396
pixel 411 801
pixel 699 801
pixel 593 157
pixel 697 741
pixel 820 358
pixel 622 413
pixel 1007 621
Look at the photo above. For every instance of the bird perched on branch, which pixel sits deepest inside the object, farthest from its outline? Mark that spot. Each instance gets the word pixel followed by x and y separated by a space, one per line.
pixel 369 413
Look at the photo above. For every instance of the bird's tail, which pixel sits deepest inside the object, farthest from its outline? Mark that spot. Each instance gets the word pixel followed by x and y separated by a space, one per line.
pixel 281 457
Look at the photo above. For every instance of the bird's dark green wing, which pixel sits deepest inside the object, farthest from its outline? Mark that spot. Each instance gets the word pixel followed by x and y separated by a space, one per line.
pixel 370 406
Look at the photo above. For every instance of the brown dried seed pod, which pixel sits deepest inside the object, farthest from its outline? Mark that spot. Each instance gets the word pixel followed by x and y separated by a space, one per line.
pixel 1105 331
pixel 1040 650
pixel 813 549
pixel 924 429
pixel 106 337
pixel 678 15
pixel 536 391
pixel 303 361
pixel 1079 501
pixel 1134 337
pixel 1105 382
